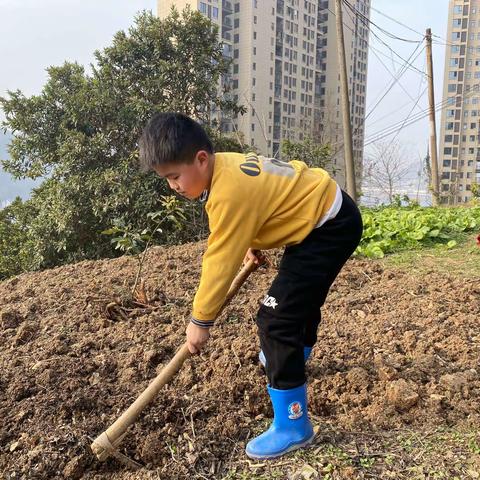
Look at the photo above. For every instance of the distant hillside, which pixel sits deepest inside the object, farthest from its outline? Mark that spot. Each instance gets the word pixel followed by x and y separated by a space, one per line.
pixel 9 188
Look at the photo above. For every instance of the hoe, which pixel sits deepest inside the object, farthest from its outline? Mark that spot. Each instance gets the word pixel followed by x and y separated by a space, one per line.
pixel 107 442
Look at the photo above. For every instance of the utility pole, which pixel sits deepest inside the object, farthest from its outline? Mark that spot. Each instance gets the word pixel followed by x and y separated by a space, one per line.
pixel 347 128
pixel 434 186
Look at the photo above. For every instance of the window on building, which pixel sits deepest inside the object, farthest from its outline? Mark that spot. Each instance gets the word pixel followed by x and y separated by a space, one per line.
pixel 203 8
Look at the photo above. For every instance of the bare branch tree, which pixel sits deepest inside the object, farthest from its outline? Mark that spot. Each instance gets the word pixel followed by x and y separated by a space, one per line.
pixel 385 168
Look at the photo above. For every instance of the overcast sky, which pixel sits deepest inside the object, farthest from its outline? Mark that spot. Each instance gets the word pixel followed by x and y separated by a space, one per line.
pixel 35 34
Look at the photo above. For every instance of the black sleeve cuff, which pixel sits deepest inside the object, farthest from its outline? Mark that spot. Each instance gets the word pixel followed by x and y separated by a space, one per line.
pixel 202 323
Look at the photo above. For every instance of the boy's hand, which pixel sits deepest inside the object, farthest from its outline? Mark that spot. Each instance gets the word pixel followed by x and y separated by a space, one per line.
pixel 255 255
pixel 196 337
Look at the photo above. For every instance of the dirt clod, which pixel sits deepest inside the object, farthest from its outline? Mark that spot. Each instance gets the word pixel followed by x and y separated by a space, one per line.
pixel 10 319
pixel 401 394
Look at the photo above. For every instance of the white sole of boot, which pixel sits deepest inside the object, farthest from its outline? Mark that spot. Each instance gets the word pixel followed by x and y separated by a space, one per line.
pixel 288 450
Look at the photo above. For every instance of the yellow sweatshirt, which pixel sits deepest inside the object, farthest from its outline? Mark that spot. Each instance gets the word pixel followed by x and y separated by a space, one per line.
pixel 260 203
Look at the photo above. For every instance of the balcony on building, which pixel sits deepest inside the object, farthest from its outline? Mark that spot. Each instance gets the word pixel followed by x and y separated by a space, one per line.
pixel 227 7
pixel 226 23
pixel 227 50
pixel 280 7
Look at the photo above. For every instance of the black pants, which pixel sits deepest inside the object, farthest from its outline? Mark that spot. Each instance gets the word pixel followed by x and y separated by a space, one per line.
pixel 290 313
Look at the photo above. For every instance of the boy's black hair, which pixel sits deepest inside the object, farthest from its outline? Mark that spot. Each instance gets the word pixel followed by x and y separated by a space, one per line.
pixel 171 137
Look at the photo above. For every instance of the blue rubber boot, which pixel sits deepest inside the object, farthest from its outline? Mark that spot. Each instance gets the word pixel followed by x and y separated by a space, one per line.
pixel 291 428
pixel 306 353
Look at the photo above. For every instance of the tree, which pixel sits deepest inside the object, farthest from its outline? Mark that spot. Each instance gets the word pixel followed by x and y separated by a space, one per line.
pixel 476 190
pixel 15 254
pixel 308 151
pixel 81 132
pixel 385 168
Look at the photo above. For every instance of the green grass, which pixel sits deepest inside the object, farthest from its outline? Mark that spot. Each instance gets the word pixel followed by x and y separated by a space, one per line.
pixel 463 259
pixel 443 453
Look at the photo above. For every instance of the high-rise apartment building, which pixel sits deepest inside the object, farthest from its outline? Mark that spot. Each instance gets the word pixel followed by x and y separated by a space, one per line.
pixel 459 153
pixel 285 69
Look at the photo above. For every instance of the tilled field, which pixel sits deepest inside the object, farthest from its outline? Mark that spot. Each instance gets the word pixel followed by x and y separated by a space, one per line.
pixel 395 351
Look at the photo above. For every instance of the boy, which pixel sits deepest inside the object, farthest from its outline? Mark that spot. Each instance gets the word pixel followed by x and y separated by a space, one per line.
pixel 255 203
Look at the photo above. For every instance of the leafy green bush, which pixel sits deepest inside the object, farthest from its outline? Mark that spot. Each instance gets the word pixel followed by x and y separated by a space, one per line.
pixel 15 244
pixel 390 229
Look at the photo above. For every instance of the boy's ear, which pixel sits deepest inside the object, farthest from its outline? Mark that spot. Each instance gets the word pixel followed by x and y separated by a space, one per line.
pixel 202 156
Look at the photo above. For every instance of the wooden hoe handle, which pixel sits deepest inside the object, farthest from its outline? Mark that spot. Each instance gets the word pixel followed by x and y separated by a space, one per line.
pixel 108 441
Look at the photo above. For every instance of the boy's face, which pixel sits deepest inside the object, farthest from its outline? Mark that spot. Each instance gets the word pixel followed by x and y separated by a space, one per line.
pixel 188 179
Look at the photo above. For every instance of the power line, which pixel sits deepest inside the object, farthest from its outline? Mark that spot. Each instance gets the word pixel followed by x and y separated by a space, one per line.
pixel 390 130
pixel 408 116
pixel 389 114
pixel 391 35
pixel 376 36
pixel 386 56
pixel 387 69
pixel 396 21
pixel 420 95
pixel 395 80
pixel 365 22
pixel 406 65
pixel 396 77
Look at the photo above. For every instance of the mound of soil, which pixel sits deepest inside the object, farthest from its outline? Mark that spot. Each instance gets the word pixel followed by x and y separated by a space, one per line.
pixel 394 351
